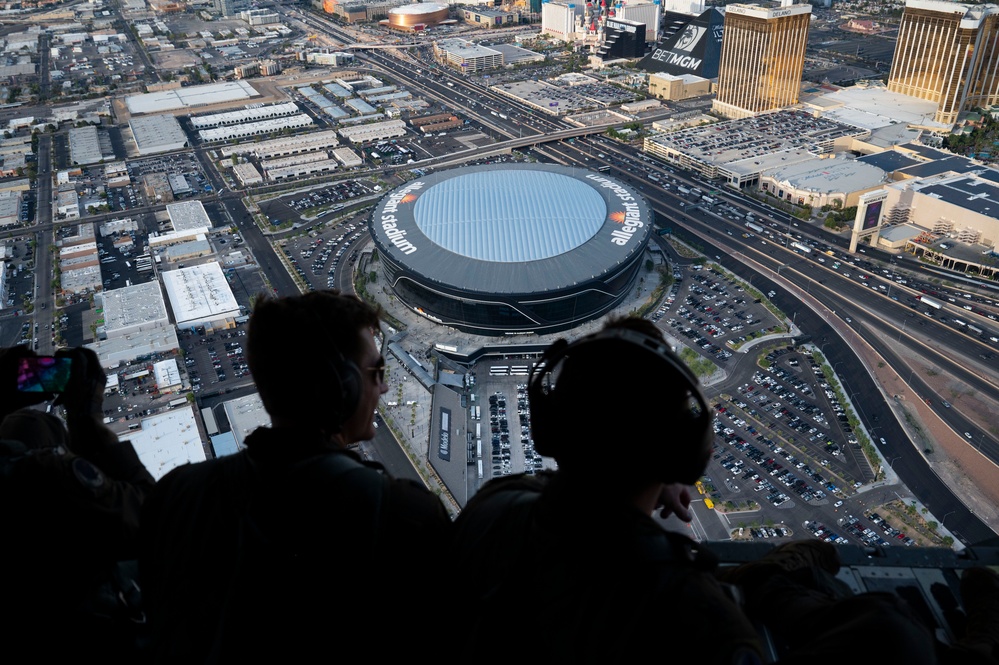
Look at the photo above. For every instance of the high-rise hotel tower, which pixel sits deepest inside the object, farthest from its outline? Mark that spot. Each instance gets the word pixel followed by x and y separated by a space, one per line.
pixel 947 52
pixel 762 58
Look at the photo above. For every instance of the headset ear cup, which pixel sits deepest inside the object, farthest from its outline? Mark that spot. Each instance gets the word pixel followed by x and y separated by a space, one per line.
pixel 685 462
pixel 350 388
pixel 339 392
pixel 541 397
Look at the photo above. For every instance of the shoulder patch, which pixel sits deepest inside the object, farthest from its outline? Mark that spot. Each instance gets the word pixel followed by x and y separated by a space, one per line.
pixel 87 474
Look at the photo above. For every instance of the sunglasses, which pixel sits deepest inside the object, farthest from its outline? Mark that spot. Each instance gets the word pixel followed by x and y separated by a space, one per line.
pixel 379 369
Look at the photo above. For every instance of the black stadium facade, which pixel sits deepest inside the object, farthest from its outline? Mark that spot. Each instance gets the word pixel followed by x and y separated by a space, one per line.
pixel 512 249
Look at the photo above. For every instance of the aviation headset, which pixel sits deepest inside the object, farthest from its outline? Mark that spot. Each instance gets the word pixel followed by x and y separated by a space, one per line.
pixel 685 418
pixel 344 377
pixel 338 375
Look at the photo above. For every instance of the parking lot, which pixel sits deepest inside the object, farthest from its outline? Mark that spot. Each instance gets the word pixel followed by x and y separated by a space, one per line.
pixel 213 358
pixel 316 256
pixel 784 439
pixel 715 314
pixel 509 443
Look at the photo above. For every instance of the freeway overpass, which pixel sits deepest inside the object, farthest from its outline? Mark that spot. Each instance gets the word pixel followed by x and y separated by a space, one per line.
pixel 510 144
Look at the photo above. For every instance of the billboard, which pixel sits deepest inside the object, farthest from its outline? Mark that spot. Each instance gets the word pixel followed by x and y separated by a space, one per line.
pixel 444 436
pixel 872 215
pixel 870 206
pixel 693 47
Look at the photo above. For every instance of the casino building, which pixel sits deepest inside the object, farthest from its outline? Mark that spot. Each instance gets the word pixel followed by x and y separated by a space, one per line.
pixel 948 52
pixel 762 58
pixel 512 249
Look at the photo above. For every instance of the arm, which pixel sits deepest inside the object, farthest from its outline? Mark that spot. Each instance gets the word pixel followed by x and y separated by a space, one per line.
pixel 83 403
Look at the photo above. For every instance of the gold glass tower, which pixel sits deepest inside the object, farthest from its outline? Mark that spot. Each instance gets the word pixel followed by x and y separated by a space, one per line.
pixel 947 52
pixel 762 58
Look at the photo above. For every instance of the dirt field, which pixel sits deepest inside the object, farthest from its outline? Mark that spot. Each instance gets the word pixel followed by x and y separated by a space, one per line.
pixel 973 478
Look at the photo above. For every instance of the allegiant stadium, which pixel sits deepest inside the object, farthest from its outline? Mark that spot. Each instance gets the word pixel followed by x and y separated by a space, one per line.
pixel 510 249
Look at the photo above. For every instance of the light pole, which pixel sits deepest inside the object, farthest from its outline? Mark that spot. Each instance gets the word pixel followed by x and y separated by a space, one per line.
pixel 892 462
pixel 946 516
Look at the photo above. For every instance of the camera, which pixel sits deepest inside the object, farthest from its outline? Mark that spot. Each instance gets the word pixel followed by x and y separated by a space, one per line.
pixel 44 374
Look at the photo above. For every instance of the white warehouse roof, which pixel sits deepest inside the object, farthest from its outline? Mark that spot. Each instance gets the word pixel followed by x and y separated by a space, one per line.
pixel 196 95
pixel 249 114
pixel 188 216
pixel 157 133
pixel 134 308
pixel 199 294
pixel 167 440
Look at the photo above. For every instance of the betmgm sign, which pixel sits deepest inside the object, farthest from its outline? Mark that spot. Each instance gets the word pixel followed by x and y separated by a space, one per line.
pixel 867 223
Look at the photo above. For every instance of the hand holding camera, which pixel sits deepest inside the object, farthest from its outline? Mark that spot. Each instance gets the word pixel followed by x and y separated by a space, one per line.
pixel 16 363
pixel 83 394
pixel 72 378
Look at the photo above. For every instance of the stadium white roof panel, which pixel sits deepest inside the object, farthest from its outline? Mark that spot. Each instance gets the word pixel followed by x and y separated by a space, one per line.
pixel 510 216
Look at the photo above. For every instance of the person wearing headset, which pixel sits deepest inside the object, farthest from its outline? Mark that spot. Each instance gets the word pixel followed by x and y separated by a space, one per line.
pixel 273 551
pixel 600 580
pixel 573 558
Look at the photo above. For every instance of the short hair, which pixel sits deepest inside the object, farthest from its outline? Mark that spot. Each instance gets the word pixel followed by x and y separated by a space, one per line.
pixel 291 340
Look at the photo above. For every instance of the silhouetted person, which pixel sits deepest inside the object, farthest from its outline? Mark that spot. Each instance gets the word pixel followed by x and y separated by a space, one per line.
pixel 71 497
pixel 570 566
pixel 294 547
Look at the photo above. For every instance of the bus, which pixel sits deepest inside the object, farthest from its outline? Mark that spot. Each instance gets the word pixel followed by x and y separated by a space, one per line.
pixel 754 227
pixel 804 248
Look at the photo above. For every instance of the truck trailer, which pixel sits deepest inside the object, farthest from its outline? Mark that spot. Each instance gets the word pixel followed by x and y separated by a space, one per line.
pixel 930 301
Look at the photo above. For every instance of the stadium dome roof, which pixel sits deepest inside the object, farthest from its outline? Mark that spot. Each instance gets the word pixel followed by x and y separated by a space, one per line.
pixel 512 228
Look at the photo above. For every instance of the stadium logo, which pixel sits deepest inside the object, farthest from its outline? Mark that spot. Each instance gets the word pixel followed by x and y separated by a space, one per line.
pixel 390 224
pixel 630 221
